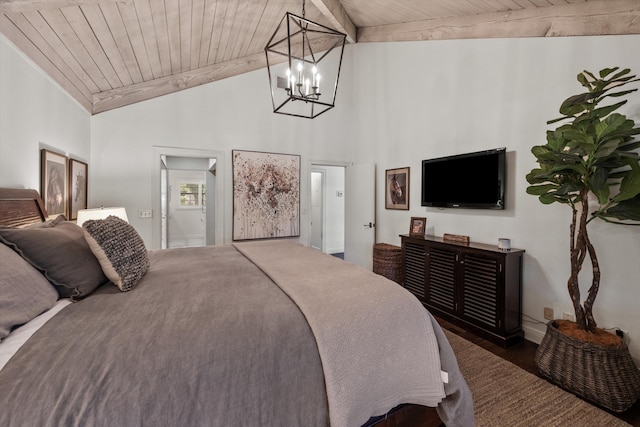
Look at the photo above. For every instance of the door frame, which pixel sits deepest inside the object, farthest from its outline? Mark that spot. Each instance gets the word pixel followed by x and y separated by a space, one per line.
pixel 311 165
pixel 158 152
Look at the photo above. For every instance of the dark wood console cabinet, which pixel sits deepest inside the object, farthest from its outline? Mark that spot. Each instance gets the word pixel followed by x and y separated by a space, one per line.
pixel 476 286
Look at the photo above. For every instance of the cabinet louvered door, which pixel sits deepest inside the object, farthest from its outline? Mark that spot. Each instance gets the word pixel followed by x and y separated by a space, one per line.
pixel 414 269
pixel 474 285
pixel 480 289
pixel 441 283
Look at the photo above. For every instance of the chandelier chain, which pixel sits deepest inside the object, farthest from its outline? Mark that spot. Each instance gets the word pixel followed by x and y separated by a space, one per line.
pixel 303 2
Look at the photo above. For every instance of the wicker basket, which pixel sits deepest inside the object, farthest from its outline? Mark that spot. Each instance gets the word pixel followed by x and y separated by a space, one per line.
pixel 387 261
pixel 604 375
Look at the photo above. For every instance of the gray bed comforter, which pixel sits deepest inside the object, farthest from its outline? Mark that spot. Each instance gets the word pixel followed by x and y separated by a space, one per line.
pixel 205 339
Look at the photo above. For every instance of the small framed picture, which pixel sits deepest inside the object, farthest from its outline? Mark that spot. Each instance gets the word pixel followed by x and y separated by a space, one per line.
pixel 77 187
pixel 53 182
pixel 417 227
pixel 397 189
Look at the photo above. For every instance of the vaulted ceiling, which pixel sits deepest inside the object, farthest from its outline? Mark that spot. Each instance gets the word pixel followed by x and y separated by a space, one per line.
pixel 111 53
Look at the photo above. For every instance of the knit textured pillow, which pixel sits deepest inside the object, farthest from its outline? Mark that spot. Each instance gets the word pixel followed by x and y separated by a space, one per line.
pixel 119 250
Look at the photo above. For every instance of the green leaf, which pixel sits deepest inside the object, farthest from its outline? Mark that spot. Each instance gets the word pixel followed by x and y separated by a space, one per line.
pixel 537 190
pixel 550 122
pixel 605 111
pixel 626 210
pixel 536 176
pixel 598 185
pixel 630 185
pixel 620 74
pixel 549 198
pixel 568 188
pixel 584 81
pixel 623 93
pixel 606 71
pixel 576 104
pixel 590 74
pixel 631 146
pixel 606 149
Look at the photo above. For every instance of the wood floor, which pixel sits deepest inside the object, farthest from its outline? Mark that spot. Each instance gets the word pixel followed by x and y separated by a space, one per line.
pixel 523 355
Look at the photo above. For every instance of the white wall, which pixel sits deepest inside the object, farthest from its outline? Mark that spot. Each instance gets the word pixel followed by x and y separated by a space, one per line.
pixel 35 113
pixel 230 114
pixel 419 100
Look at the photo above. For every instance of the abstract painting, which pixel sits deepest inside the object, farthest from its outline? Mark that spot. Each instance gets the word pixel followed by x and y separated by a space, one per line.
pixel 266 195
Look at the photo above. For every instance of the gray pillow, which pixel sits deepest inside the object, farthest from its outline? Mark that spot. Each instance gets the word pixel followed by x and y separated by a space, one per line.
pixel 59 250
pixel 26 293
pixel 119 249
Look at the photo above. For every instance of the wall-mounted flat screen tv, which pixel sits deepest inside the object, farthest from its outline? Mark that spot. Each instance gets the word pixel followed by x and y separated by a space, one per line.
pixel 472 180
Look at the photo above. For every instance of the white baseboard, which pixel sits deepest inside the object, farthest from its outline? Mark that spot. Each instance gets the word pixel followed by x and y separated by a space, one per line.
pixel 532 334
pixel 334 250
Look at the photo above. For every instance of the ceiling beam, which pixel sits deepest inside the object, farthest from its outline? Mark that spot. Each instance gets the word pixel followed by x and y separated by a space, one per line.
pixel 143 91
pixel 120 97
pixel 335 13
pixel 19 6
pixel 602 17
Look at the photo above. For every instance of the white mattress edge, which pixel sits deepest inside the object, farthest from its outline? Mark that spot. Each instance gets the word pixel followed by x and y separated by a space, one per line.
pixel 12 343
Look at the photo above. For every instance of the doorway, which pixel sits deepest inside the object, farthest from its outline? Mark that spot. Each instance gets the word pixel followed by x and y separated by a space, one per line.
pixel 342 210
pixel 327 206
pixel 185 182
pixel 202 192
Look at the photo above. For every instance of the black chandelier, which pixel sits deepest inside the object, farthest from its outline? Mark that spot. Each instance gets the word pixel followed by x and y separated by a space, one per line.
pixel 300 84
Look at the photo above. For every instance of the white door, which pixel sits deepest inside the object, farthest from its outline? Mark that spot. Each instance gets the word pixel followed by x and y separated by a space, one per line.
pixel 317 208
pixel 360 232
pixel 187 211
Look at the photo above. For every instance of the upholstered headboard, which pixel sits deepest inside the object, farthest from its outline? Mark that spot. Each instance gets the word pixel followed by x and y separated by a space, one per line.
pixel 19 207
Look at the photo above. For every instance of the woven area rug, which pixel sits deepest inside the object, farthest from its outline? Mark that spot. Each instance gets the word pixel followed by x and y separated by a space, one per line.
pixel 506 395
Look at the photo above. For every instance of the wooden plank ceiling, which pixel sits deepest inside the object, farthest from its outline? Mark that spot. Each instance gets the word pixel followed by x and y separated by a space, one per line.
pixel 111 53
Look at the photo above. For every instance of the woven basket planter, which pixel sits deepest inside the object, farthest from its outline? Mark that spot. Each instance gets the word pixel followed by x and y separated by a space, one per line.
pixel 387 261
pixel 604 375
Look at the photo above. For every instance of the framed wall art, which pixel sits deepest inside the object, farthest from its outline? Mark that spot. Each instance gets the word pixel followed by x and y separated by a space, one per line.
pixel 397 189
pixel 417 227
pixel 266 195
pixel 77 187
pixel 53 182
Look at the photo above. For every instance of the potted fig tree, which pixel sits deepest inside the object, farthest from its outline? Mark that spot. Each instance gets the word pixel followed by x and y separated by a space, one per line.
pixel 590 163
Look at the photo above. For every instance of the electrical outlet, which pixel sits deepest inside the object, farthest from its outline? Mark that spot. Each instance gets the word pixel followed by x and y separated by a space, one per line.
pixel 147 213
pixel 569 316
pixel 548 313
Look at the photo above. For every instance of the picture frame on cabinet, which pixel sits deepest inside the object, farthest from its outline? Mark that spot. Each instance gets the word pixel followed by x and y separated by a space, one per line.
pixel 397 189
pixel 418 226
pixel 78 177
pixel 53 182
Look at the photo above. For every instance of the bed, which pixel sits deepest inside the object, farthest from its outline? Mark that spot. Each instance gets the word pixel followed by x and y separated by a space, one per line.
pixel 96 330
